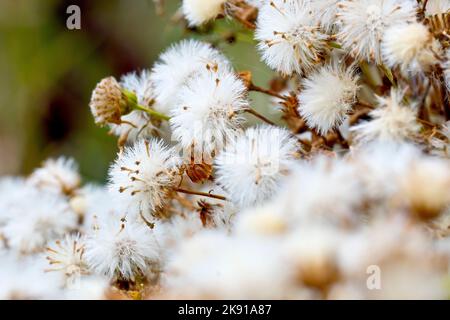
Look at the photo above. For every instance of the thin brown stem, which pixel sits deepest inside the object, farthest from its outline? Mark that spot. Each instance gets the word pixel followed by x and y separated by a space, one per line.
pixel 260 116
pixel 203 194
pixel 424 7
pixel 269 92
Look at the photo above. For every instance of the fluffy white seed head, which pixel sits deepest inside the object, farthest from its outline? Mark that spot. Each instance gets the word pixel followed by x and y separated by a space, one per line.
pixel 121 249
pixel 363 23
pixel 59 176
pixel 326 13
pixel 290 40
pixel 252 167
pixel 67 256
pixel 392 120
pixel 209 111
pixel 144 175
pixel 412 47
pixel 180 63
pixel 327 96
pixel 107 102
pixel 198 12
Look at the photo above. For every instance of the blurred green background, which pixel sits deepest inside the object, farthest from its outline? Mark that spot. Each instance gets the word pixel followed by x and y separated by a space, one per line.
pixel 47 73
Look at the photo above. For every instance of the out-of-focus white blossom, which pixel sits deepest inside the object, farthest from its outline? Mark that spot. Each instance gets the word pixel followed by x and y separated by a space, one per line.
pixel 198 12
pixel 303 197
pixel 38 220
pixel 25 278
pixel 412 47
pixel 59 176
pixel 213 265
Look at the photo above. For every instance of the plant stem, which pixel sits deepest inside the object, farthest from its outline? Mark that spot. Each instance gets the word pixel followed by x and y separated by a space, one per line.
pixel 388 74
pixel 334 45
pixel 203 194
pixel 134 105
pixel 260 116
pixel 266 91
pixel 152 112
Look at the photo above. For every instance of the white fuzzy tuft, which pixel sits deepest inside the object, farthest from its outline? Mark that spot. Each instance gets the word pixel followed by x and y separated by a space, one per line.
pixel 252 167
pixel 59 176
pixel 363 23
pixel 412 47
pixel 122 249
pixel 143 176
pixel 209 111
pixel 180 63
pixel 198 12
pixel 392 121
pixel 289 37
pixel 327 96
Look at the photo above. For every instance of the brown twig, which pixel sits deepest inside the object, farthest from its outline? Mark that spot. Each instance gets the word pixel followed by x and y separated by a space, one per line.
pixel 260 116
pixel 203 194
pixel 269 92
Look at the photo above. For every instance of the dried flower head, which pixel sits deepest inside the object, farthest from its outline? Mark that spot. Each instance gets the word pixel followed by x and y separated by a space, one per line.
pixel 108 103
pixel 138 123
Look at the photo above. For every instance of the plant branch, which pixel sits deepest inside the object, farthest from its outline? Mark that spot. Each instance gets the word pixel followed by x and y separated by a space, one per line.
pixel 203 194
pixel 269 92
pixel 259 116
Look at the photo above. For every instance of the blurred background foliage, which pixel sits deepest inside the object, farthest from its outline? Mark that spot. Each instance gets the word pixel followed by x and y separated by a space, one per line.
pixel 47 73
